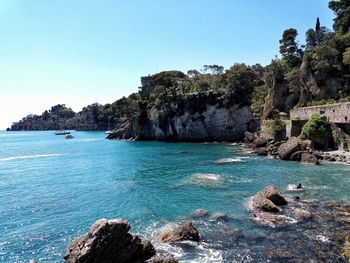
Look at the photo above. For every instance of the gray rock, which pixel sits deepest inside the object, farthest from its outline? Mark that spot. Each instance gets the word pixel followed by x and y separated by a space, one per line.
pixel 307 157
pixel 182 232
pixel 261 203
pixel 200 213
pixel 260 142
pixel 272 193
pixel 293 145
pixel 160 259
pixel 262 151
pixel 109 241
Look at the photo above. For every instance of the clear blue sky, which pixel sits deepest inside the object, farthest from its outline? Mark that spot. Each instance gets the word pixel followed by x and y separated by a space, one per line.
pixel 84 51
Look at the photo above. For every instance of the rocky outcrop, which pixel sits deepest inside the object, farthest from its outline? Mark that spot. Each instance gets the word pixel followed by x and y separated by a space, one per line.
pixel 269 200
pixel 291 146
pixel 182 232
pixel 109 241
pixel 195 117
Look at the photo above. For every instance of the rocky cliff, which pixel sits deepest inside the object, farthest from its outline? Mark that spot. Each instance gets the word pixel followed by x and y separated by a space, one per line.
pixel 199 117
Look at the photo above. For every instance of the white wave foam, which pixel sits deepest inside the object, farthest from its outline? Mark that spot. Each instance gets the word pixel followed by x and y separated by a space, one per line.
pixel 293 187
pixel 205 177
pixel 29 156
pixel 232 160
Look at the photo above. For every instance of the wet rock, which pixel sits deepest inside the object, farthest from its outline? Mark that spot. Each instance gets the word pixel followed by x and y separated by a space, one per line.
pixel 159 259
pixel 268 200
pixel 109 241
pixel 296 156
pixel 302 214
pixel 307 157
pixel 260 203
pixel 182 232
pixel 278 254
pixel 272 193
pixel 260 142
pixel 218 216
pixel 300 186
pixel 293 145
pixel 269 219
pixel 262 151
pixel 200 213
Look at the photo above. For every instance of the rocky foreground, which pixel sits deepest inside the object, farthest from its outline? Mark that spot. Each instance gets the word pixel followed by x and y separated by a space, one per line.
pixel 293 149
pixel 297 230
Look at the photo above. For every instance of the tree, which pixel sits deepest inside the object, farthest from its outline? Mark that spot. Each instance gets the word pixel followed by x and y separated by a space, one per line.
pixel 193 73
pixel 289 47
pixel 317 36
pixel 214 69
pixel 341 8
pixel 241 80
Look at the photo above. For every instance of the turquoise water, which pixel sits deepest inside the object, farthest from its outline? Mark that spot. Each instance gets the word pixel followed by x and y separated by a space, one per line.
pixel 52 190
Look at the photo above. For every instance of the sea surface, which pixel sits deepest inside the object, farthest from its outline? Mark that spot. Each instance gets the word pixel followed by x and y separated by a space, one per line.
pixel 52 189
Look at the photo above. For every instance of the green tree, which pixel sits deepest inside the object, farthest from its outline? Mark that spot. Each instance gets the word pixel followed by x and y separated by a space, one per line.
pixel 341 8
pixel 289 47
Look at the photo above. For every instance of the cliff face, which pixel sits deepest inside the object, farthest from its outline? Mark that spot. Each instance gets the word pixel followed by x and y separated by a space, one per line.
pixel 186 120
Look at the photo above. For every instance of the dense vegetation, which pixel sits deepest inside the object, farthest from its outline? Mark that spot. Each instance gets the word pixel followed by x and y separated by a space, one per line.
pixel 319 131
pixel 309 74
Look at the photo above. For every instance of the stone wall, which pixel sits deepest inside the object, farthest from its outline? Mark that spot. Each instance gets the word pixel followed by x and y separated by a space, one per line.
pixel 336 113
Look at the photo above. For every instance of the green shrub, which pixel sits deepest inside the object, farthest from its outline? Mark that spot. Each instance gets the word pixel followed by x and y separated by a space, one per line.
pixel 318 130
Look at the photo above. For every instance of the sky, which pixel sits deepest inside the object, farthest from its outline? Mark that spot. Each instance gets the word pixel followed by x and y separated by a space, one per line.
pixel 85 51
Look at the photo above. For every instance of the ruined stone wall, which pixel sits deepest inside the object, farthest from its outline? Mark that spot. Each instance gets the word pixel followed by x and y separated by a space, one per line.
pixel 337 113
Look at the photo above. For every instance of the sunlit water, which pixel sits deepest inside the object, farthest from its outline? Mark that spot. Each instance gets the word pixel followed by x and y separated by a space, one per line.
pixel 53 189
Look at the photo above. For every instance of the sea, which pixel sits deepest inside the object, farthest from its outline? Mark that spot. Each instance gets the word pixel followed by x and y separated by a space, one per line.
pixel 52 189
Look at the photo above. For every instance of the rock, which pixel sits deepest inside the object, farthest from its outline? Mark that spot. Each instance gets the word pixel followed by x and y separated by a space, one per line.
pixel 293 145
pixel 268 200
pixel 344 219
pixel 346 251
pixel 307 157
pixel 249 137
pixel 262 151
pixel 272 193
pixel 200 213
pixel 269 219
pixel 300 186
pixel 32 261
pixel 260 142
pixel 182 232
pixel 218 216
pixel 296 156
pixel 159 259
pixel 261 203
pixel 302 214
pixel 109 241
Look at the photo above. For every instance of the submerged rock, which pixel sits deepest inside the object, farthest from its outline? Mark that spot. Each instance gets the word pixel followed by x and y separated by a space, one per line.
pixel 218 216
pixel 158 259
pixel 182 232
pixel 109 241
pixel 302 214
pixel 200 213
